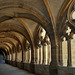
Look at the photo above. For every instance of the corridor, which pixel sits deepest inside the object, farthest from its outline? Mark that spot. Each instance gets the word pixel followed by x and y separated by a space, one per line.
pixel 6 69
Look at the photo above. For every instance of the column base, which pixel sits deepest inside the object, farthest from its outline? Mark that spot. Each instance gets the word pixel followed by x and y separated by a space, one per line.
pixel 54 63
pixel 32 67
pixel 53 70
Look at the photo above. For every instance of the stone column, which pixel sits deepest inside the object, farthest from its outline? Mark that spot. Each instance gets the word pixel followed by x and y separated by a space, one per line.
pixel 45 53
pixel 40 54
pixel 37 55
pixel 32 67
pixel 23 56
pixel 60 53
pixel 16 50
pixel 17 56
pixel 12 56
pixel 54 53
pixel 8 57
pixel 69 52
pixel 20 55
pixel 64 53
pixel 49 53
pixel 73 50
pixel 29 55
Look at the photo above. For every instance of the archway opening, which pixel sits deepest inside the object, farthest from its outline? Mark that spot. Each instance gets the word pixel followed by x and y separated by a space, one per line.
pixel 2 55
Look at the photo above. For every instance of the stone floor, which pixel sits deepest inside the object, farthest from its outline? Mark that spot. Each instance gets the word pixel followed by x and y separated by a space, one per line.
pixel 6 69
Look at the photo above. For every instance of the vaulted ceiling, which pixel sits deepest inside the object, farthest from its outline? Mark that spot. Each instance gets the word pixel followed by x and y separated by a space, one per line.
pixel 20 19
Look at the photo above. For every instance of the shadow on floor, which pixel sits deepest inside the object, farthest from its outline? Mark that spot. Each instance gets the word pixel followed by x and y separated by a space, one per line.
pixel 2 61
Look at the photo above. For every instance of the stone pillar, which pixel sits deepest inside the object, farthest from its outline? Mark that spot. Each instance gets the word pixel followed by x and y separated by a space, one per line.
pixel 69 52
pixel 54 53
pixel 37 55
pixel 10 57
pixel 32 66
pixel 24 56
pixel 20 55
pixel 73 51
pixel 17 56
pixel 14 56
pixel 29 55
pixel 49 53
pixel 40 54
pixel 60 53
pixel 64 53
pixel 16 50
pixel 45 53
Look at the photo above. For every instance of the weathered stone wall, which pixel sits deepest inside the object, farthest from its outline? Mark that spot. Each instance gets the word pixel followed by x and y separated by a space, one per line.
pixel 66 71
pixel 46 69
pixel 27 66
pixel 20 65
pixel 42 69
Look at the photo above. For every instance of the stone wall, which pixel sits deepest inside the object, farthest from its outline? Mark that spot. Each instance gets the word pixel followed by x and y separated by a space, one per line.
pixel 27 66
pixel 40 69
pixel 66 71
pixel 20 65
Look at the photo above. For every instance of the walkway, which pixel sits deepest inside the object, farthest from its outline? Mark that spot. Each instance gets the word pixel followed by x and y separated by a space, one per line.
pixel 6 69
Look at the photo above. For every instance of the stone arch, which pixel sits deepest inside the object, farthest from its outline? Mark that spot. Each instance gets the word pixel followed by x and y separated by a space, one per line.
pixel 10 27
pixel 9 41
pixel 37 17
pixel 10 35
pixel 69 12
pixel 7 46
pixel 33 15
pixel 63 9
pixel 16 29
pixel 6 49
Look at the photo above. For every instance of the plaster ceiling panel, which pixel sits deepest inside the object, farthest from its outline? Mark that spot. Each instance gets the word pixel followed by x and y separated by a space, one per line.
pixel 18 35
pixel 37 5
pixel 31 25
pixel 55 6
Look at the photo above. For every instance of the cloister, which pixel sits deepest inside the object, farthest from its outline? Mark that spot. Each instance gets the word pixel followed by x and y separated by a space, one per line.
pixel 38 36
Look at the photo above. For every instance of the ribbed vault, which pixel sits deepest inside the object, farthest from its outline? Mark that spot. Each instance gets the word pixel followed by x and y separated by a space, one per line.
pixel 22 21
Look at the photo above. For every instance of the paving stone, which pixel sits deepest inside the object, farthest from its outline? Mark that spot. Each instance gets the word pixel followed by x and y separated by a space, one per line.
pixel 6 69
